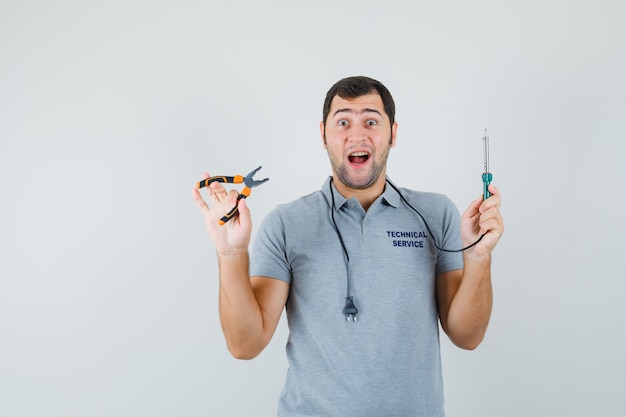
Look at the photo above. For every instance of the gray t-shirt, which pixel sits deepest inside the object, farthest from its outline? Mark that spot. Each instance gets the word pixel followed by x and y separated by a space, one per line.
pixel 388 362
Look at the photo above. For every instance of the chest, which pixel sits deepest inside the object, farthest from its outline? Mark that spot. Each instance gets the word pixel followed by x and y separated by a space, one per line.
pixel 388 252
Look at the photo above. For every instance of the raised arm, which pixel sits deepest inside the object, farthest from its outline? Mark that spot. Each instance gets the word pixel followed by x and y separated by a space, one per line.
pixel 465 296
pixel 250 307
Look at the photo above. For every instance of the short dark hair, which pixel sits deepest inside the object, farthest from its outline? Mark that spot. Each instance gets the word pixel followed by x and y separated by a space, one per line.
pixel 352 87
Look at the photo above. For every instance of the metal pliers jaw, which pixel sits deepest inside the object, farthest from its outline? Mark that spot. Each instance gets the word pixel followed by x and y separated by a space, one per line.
pixel 249 182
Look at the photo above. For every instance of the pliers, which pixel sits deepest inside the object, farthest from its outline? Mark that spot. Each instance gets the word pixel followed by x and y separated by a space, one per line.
pixel 237 179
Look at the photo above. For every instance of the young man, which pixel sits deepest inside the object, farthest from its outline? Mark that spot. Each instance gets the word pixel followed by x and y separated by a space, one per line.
pixel 363 270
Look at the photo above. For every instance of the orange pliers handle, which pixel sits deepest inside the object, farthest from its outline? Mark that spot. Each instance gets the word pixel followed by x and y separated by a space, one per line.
pixel 237 179
pixel 248 180
pixel 243 194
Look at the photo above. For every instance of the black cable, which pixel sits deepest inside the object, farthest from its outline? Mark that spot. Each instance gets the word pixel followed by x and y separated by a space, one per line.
pixel 343 245
pixel 350 310
pixel 426 223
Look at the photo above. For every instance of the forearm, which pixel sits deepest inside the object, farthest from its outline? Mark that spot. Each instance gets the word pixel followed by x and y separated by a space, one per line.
pixel 240 314
pixel 470 310
pixel 465 299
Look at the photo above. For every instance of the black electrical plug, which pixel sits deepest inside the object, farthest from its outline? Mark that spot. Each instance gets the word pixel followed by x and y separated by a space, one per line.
pixel 350 310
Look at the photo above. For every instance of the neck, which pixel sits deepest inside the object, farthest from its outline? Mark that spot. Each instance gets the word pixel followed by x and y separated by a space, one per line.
pixel 365 196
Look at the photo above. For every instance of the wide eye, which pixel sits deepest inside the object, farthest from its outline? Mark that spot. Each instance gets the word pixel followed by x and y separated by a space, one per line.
pixel 342 122
pixel 371 122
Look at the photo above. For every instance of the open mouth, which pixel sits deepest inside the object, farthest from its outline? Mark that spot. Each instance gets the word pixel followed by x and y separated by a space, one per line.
pixel 358 158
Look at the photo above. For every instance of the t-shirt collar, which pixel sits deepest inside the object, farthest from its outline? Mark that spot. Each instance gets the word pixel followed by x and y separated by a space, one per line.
pixel 389 195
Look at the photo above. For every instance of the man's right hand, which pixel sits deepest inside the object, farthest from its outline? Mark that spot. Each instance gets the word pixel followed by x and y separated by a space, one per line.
pixel 234 236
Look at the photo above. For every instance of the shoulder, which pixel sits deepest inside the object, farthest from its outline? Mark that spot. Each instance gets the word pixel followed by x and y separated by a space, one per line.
pixel 298 211
pixel 434 207
pixel 310 203
pixel 427 200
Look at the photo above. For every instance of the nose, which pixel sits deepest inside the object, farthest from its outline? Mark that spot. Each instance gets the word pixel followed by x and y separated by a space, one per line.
pixel 357 134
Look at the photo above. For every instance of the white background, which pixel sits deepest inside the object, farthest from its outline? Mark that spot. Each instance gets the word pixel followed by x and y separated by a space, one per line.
pixel 110 112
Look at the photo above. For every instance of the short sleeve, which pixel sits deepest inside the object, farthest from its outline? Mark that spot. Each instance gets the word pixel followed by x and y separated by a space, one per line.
pixel 451 239
pixel 268 256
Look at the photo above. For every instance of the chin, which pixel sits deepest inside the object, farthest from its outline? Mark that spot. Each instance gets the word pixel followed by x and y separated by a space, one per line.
pixel 358 182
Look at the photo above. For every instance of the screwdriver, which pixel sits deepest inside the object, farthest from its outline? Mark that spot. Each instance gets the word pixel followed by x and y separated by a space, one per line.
pixel 486 174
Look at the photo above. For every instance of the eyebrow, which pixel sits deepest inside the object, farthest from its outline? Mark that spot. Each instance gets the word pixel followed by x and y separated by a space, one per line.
pixel 348 110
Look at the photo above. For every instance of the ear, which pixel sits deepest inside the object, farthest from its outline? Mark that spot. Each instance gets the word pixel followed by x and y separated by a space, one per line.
pixel 394 131
pixel 322 133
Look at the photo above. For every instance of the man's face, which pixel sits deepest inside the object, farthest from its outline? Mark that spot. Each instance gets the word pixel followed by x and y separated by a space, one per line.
pixel 358 136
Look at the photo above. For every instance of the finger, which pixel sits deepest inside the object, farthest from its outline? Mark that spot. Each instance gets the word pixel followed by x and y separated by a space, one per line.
pixel 476 203
pixel 495 197
pixel 486 225
pixel 230 197
pixel 491 221
pixel 244 214
pixel 217 192
pixel 473 209
pixel 199 201
pixel 493 201
pixel 201 183
pixel 494 230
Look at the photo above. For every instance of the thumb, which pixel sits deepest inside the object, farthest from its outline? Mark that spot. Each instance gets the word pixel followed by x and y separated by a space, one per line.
pixel 244 213
pixel 199 201
pixel 473 208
